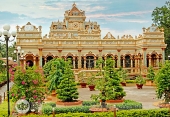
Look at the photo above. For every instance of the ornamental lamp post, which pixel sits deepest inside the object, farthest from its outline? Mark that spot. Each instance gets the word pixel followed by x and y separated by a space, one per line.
pixel 19 52
pixel 7 36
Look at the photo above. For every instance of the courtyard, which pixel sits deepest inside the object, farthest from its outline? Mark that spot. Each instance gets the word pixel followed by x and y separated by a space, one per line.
pixel 146 95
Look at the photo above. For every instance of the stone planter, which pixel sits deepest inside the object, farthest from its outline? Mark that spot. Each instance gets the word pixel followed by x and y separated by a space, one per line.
pixel 123 83
pixel 74 103
pixel 115 101
pixel 83 85
pixel 91 87
pixel 53 93
pixel 139 86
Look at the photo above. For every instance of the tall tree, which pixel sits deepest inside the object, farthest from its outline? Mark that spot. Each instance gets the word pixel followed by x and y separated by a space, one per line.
pixel 162 82
pixel 161 17
pixel 67 90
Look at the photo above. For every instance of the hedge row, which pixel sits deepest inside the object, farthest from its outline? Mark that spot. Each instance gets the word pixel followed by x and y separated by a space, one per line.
pixel 123 113
pixel 47 108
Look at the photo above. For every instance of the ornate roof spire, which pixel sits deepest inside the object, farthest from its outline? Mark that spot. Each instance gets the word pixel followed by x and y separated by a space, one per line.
pixel 74 4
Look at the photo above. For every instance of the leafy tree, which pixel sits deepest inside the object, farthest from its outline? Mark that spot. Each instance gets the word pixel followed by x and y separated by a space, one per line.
pixel 151 74
pixel 109 84
pixel 67 90
pixel 122 74
pixel 2 67
pixel 162 82
pixel 3 50
pixel 161 17
pixel 56 73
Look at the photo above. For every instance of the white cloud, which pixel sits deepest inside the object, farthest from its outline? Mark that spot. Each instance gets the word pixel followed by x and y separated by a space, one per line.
pixel 118 14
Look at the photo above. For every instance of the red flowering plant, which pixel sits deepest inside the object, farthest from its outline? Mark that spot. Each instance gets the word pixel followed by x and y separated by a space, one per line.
pixel 27 85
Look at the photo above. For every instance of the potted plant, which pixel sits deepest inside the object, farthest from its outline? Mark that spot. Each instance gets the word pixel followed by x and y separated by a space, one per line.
pixel 81 76
pixel 139 81
pixel 150 76
pixel 122 75
pixel 91 82
pixel 109 85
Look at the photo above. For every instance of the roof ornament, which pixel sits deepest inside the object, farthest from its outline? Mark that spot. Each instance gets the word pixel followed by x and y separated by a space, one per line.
pixel 74 4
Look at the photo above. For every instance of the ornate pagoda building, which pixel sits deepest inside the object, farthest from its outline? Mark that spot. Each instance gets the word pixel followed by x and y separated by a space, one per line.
pixel 81 41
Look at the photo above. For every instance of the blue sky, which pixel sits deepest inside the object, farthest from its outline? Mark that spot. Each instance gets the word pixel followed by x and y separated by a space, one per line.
pixel 116 16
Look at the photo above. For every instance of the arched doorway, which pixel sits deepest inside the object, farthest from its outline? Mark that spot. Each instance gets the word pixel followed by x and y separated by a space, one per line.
pixel 127 61
pixel 29 63
pixel 49 58
pixel 153 60
pixel 89 62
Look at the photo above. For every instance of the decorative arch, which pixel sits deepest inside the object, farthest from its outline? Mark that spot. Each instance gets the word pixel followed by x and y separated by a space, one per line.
pixel 29 59
pixel 109 55
pixel 69 54
pixel 90 54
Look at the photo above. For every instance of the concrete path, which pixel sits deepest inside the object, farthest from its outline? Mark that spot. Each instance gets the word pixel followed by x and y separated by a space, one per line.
pixel 4 89
pixel 146 96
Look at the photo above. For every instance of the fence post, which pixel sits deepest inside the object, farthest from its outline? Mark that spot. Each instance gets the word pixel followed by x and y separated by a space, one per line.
pixel 4 96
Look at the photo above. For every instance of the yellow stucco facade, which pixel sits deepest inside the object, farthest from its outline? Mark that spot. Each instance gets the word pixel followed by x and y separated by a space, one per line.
pixel 81 41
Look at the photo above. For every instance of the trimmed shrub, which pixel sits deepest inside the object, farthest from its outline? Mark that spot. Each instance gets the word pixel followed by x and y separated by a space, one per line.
pixel 47 109
pixel 90 103
pixel 124 113
pixel 52 104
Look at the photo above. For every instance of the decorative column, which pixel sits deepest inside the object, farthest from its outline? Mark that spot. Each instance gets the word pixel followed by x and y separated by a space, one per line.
pixel 139 63
pixel 105 58
pixel 118 59
pixel 136 63
pixel 100 53
pixel 84 62
pixel 73 62
pixel 94 62
pixel 149 57
pixel 144 56
pixel 131 63
pixel 79 59
pixel 163 55
pixel 40 58
pixel 157 60
pixel 123 61
pixel 59 53
pixel 34 59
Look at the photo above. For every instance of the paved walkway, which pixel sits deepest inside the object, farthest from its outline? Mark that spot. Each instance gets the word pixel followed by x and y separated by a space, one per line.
pixel 4 89
pixel 146 96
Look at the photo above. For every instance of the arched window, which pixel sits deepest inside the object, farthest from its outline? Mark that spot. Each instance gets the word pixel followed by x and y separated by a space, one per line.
pixel 49 58
pixel 90 62
pixel 29 63
pixel 127 61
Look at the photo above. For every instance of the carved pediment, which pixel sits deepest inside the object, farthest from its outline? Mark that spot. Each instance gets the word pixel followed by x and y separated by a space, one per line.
pixel 153 28
pixel 29 28
pixel 109 36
